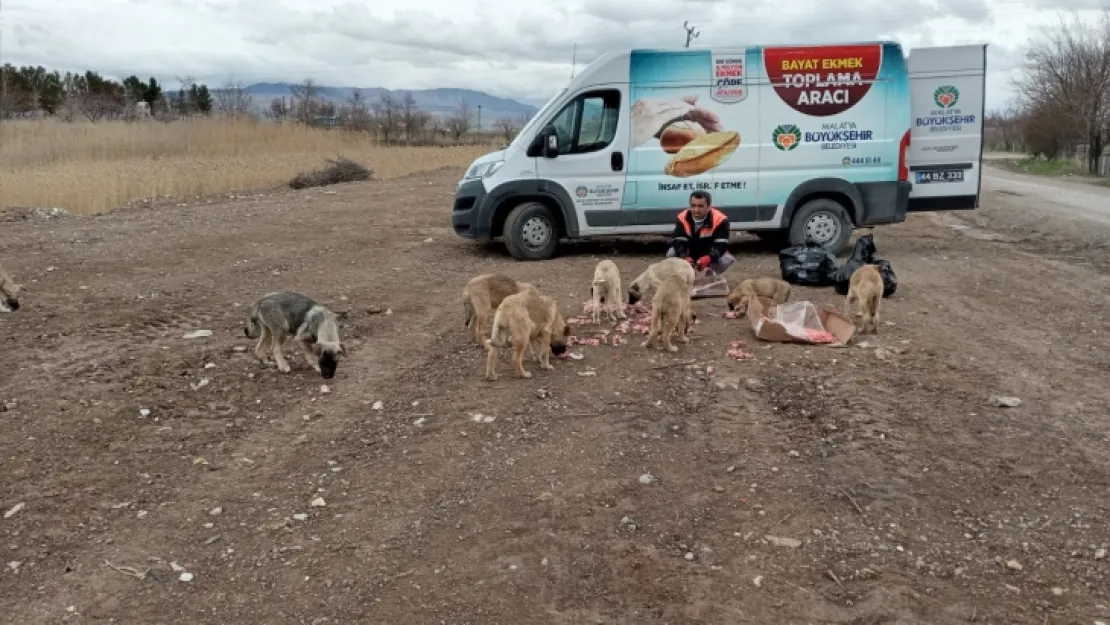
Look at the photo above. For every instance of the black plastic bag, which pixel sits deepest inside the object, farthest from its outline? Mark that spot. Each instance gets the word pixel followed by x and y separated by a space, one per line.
pixel 890 281
pixel 863 253
pixel 808 265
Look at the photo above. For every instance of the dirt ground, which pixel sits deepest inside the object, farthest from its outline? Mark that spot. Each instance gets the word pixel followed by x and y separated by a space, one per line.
pixel 448 499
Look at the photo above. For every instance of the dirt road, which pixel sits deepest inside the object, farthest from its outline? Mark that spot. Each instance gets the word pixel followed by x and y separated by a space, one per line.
pixel 894 491
pixel 1081 200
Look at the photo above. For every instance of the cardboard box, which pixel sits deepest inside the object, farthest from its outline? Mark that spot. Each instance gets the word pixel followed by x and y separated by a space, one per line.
pixel 793 321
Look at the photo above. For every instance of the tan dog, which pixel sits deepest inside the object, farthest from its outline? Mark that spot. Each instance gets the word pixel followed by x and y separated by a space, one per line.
pixel 526 320
pixel 670 311
pixel 9 292
pixel 773 289
pixel 606 290
pixel 483 294
pixel 654 275
pixel 866 287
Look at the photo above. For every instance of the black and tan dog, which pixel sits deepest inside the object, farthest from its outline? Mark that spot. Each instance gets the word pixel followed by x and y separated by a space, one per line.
pixel 656 273
pixel 482 295
pixel 670 312
pixel 526 320
pixel 9 292
pixel 281 314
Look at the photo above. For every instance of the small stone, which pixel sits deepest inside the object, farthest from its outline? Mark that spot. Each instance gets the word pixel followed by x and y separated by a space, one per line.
pixel 730 469
pixel 211 365
pixel 318 502
pixel 197 334
pixel 324 389
pixel 1100 554
pixel 1014 565
pixel 216 511
pixel 753 384
pixel 14 564
pixel 239 348
pixel 419 422
pixel 757 581
pixel 793 453
pixel 1058 592
pixel 144 412
pixel 1001 401
pixel 429 240
pixel 777 541
pixel 719 489
pixel 186 577
pixel 647 478
pixel 378 405
pixel 300 516
pixel 14 510
pixel 212 539
pixel 689 556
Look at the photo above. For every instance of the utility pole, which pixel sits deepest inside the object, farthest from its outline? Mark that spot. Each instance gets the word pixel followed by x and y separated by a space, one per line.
pixel 691 34
pixel 573 60
pixel 479 118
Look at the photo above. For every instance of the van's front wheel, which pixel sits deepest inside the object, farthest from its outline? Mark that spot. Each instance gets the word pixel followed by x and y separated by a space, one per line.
pixel 822 221
pixel 531 232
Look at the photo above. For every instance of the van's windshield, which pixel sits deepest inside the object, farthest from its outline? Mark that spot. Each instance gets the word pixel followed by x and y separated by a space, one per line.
pixel 524 137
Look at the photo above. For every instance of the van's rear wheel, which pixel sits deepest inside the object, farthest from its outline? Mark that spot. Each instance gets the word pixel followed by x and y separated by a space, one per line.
pixel 531 232
pixel 822 221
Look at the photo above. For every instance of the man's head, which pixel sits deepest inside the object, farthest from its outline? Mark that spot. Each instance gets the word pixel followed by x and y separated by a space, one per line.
pixel 699 204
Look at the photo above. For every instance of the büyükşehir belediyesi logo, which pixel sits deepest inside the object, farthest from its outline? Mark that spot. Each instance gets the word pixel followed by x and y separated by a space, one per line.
pixel 786 137
pixel 946 96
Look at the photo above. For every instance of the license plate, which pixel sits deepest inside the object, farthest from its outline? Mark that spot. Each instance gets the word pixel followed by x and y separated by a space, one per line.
pixel 942 175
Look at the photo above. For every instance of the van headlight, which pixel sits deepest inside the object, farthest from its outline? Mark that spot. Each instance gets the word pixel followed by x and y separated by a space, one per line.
pixel 484 170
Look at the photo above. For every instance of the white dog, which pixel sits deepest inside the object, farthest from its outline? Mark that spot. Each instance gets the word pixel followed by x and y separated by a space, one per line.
pixel 606 290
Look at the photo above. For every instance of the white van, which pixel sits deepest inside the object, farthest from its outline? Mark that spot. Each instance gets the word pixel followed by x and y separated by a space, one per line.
pixel 798 143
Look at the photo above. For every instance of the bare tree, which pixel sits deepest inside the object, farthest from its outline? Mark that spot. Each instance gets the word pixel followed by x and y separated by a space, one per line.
pixel 507 127
pixel 234 100
pixel 355 113
pixel 409 112
pixel 1066 88
pixel 387 117
pixel 306 101
pixel 279 109
pixel 458 123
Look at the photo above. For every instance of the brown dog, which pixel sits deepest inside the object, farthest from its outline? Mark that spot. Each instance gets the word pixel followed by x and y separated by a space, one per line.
pixel 773 289
pixel 483 294
pixel 526 320
pixel 670 311
pixel 9 292
pixel 866 287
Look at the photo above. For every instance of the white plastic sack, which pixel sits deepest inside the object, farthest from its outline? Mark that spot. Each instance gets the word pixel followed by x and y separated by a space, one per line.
pixel 709 284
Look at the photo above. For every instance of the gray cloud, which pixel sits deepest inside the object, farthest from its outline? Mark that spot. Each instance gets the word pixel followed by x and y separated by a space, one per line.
pixel 504 47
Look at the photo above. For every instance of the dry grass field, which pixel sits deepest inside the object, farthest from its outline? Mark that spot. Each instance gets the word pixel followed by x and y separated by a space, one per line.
pixel 91 168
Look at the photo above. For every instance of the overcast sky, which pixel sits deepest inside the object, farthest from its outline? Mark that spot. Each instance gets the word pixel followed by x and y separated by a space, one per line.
pixel 514 48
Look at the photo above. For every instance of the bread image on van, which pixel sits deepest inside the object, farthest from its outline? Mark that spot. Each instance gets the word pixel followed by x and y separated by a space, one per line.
pixel 702 153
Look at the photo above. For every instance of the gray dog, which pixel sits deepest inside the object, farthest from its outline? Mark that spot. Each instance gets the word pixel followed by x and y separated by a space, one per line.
pixel 278 315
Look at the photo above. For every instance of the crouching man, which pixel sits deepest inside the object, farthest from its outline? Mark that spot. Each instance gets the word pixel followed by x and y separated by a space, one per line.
pixel 701 236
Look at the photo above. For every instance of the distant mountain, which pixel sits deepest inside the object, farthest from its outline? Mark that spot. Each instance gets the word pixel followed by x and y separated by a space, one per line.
pixel 438 102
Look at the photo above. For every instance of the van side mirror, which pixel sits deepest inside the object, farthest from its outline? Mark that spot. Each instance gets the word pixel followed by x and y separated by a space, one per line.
pixel 546 143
